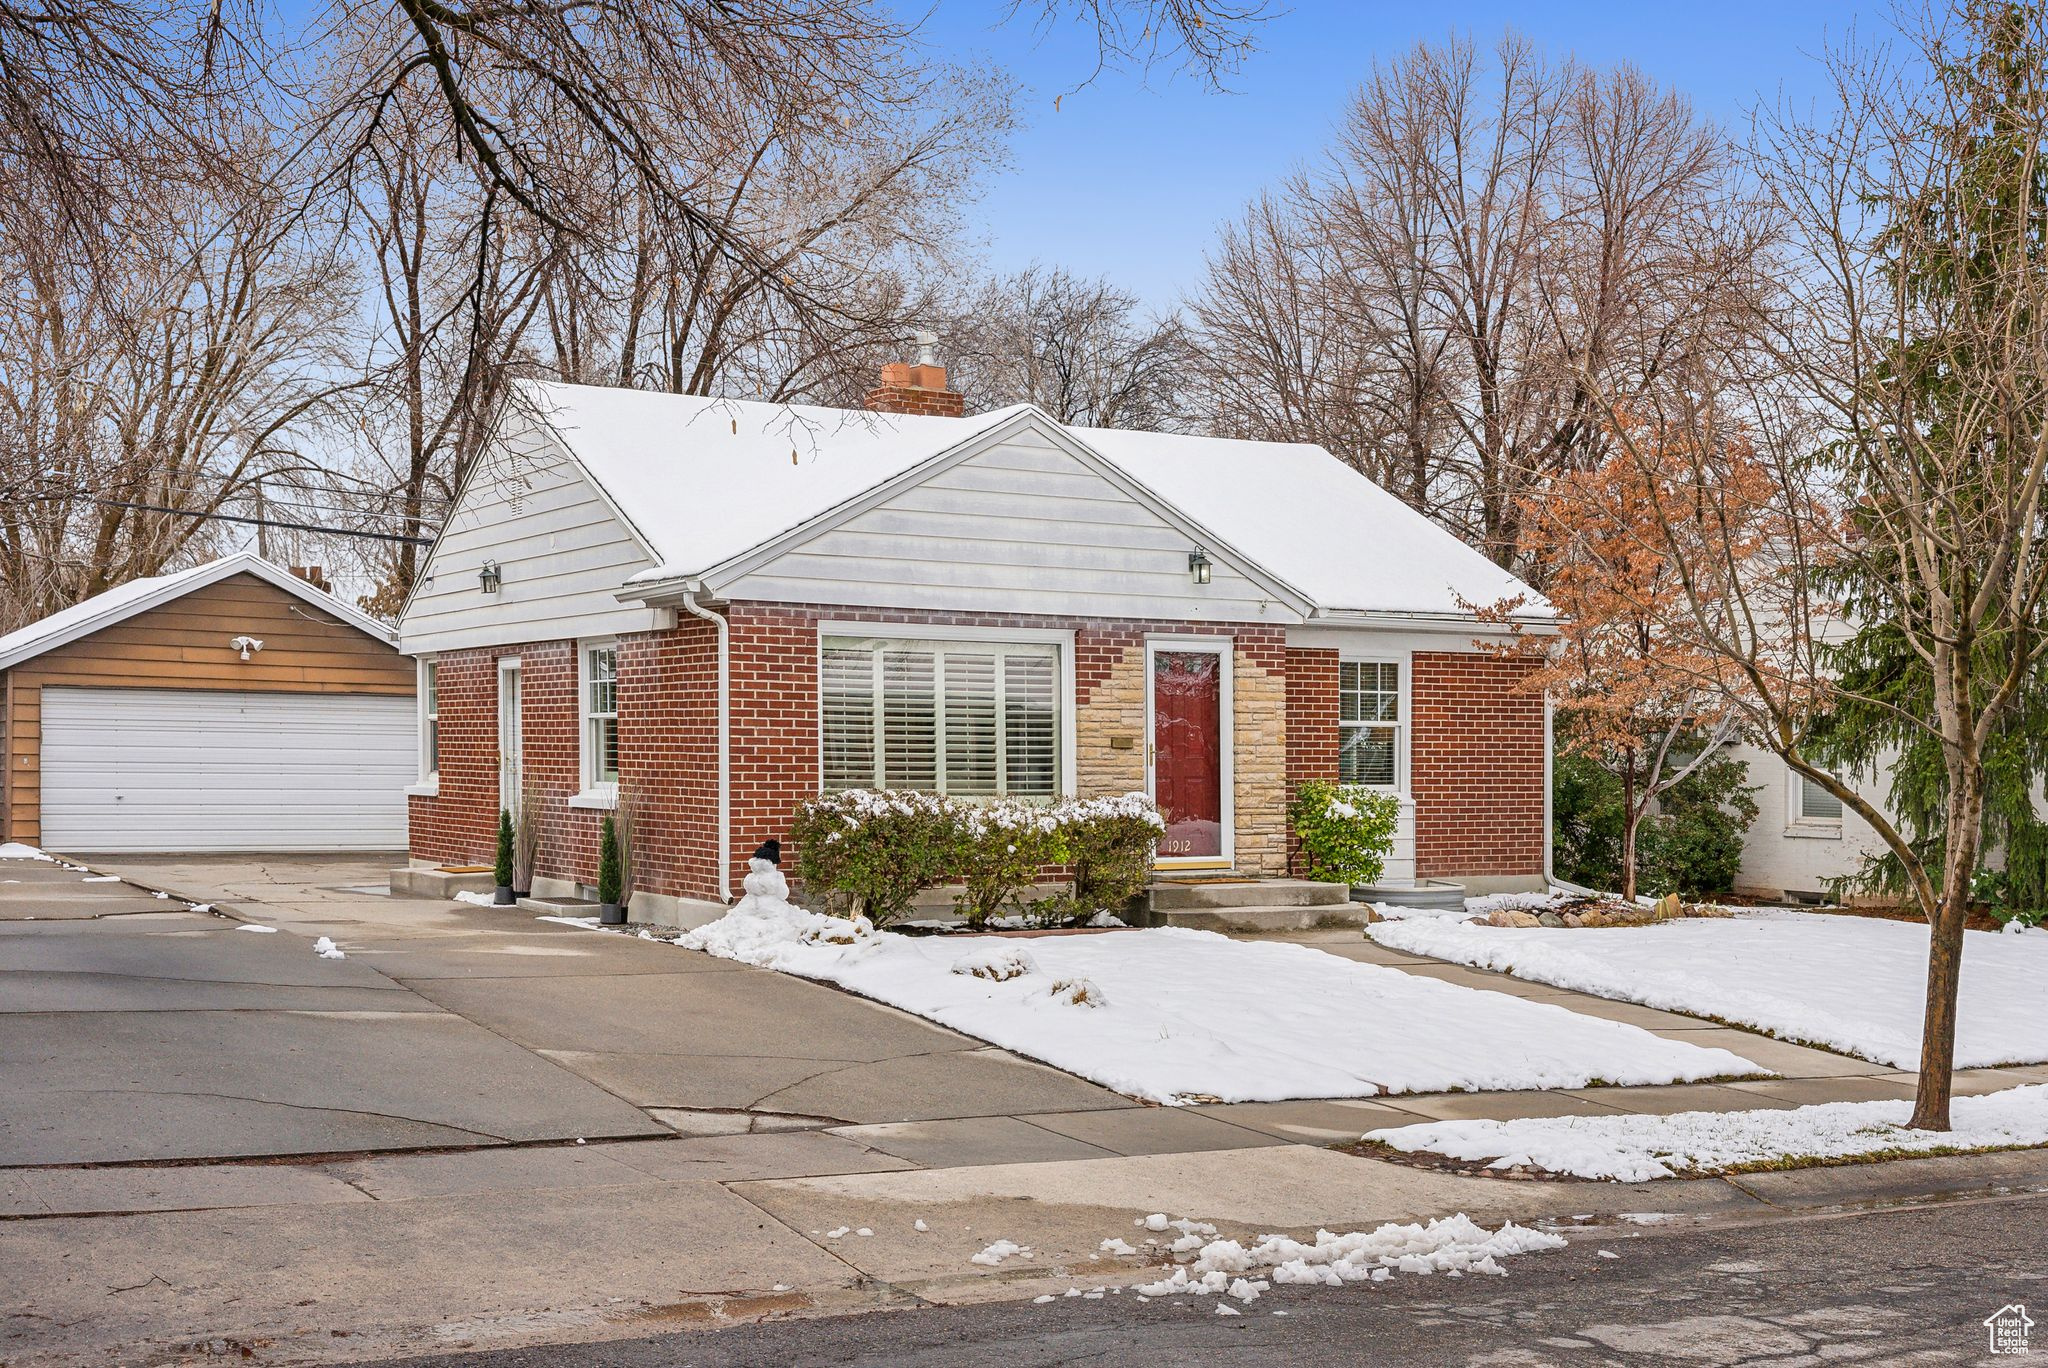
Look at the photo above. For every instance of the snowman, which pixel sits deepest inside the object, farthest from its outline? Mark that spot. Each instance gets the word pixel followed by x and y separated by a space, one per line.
pixel 767 890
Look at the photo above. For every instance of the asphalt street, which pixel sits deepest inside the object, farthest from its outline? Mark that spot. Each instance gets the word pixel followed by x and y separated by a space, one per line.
pixel 1891 1286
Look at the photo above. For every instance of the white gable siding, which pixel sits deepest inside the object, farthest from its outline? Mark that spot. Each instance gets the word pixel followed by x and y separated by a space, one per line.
pixel 1022 527
pixel 561 550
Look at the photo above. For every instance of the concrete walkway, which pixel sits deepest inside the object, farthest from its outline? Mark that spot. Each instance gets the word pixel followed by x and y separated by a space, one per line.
pixel 744 1127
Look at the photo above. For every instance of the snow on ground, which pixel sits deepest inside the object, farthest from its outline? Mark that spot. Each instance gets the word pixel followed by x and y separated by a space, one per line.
pixel 1854 984
pixel 476 899
pixel 1635 1149
pixel 15 850
pixel 327 949
pixel 1178 1016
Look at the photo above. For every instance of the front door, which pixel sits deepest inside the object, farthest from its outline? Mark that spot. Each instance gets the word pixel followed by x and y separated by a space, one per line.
pixel 511 769
pixel 1190 769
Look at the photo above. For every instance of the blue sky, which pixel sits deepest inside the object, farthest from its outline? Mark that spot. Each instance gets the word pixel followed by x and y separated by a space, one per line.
pixel 1131 176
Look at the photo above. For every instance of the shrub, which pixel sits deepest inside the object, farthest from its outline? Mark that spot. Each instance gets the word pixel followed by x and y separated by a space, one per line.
pixel 1109 842
pixel 998 848
pixel 608 880
pixel 871 852
pixel 504 869
pixel 1692 845
pixel 1346 830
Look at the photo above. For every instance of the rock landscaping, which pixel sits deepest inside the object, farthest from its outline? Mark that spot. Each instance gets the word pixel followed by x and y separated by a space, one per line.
pixel 1573 911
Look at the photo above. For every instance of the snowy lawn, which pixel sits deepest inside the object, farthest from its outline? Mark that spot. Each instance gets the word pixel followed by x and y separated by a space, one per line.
pixel 1179 1016
pixel 1853 984
pixel 1635 1149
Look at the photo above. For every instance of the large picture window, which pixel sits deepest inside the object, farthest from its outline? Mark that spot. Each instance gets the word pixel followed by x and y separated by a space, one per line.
pixel 956 717
pixel 600 715
pixel 1369 723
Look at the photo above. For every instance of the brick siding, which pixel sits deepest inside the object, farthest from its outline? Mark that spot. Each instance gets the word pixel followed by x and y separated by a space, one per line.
pixel 1476 767
pixel 1312 710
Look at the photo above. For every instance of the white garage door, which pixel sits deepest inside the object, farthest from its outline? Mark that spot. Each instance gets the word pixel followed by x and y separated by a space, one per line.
pixel 178 770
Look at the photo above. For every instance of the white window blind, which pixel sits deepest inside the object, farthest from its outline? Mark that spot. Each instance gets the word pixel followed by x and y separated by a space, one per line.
pixel 601 715
pixel 1369 722
pixel 1816 804
pixel 963 718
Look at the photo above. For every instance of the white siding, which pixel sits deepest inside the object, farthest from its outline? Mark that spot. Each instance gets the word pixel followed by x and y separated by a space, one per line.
pixel 1783 855
pixel 562 552
pixel 196 770
pixel 1023 527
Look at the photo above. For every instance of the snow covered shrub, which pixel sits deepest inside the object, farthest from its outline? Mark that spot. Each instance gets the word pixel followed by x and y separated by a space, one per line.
pixel 1109 842
pixel 1077 992
pixel 869 852
pixel 997 966
pixel 1346 830
pixel 999 847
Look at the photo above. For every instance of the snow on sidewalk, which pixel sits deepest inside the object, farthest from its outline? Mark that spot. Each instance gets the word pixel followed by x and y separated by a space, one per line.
pixel 1854 984
pixel 1635 1149
pixel 1180 1016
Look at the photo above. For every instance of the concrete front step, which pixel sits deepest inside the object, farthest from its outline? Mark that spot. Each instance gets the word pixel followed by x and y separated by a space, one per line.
pixel 561 907
pixel 1266 919
pixel 438 883
pixel 1169 895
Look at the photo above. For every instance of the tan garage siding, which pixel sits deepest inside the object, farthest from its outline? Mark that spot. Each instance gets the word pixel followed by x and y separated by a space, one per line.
pixel 184 644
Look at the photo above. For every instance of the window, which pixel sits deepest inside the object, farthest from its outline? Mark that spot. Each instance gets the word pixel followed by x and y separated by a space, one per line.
pixel 600 716
pixel 430 719
pixel 1369 723
pixel 957 717
pixel 1816 804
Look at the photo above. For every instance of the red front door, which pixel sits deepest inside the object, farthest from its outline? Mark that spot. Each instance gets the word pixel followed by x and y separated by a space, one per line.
pixel 1187 752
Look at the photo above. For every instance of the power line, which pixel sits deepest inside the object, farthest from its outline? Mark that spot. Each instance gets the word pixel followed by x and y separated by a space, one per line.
pixel 266 522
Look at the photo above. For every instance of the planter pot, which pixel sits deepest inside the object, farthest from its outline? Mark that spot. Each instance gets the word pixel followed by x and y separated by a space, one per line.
pixel 611 914
pixel 503 897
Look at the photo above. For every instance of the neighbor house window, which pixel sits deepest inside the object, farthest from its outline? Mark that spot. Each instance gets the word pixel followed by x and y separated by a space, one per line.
pixel 963 718
pixel 600 715
pixel 1369 722
pixel 1816 804
pixel 430 719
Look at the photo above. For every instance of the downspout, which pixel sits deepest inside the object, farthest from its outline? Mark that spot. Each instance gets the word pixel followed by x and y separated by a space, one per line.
pixel 717 620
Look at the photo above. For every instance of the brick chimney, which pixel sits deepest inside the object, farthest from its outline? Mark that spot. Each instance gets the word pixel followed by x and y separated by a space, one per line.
pixel 916 388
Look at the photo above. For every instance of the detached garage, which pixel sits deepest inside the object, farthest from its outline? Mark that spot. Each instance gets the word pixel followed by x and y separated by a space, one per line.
pixel 232 706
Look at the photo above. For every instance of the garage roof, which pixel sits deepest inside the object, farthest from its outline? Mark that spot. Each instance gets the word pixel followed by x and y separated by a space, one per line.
pixel 137 596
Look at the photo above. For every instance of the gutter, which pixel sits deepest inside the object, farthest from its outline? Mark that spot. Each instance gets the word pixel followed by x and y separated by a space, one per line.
pixel 688 603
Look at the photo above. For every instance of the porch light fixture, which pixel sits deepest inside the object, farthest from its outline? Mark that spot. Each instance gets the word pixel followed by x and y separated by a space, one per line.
pixel 1198 565
pixel 490 578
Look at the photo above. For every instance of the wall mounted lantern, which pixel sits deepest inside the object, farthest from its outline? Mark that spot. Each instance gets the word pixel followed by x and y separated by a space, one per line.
pixel 1198 565
pixel 490 578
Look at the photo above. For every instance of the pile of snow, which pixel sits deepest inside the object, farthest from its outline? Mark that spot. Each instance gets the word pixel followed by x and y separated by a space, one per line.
pixel 1176 1016
pixel 1854 984
pixel 15 850
pixel 327 949
pixel 252 926
pixel 476 899
pixel 1451 1244
pixel 1635 1149
pixel 994 1254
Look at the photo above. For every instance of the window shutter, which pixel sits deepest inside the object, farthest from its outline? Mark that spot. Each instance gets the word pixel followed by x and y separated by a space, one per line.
pixel 970 723
pixel 910 722
pixel 1030 724
pixel 848 686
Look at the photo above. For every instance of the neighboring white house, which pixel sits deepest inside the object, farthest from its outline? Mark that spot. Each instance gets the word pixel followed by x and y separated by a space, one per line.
pixel 1802 836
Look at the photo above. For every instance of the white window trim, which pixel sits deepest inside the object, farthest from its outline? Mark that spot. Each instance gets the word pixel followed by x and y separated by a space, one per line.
pixel 1797 823
pixel 429 784
pixel 512 729
pixel 1224 648
pixel 1403 725
pixel 600 794
pixel 995 636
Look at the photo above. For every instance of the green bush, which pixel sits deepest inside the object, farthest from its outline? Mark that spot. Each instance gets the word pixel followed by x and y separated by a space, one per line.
pixel 870 852
pixel 998 849
pixel 1346 830
pixel 1109 842
pixel 1691 846
pixel 504 869
pixel 608 875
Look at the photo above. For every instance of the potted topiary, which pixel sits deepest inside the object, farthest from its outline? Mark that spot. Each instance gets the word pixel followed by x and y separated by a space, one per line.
pixel 503 897
pixel 613 912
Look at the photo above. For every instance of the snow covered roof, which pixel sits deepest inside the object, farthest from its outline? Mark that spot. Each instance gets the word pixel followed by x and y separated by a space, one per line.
pixel 703 481
pixel 139 595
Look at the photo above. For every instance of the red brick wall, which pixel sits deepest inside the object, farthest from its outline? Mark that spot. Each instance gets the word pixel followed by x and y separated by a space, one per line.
pixel 1476 767
pixel 460 826
pixel 1312 710
pixel 668 754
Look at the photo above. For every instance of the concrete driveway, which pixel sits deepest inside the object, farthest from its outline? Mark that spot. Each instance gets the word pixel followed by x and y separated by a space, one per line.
pixel 134 1029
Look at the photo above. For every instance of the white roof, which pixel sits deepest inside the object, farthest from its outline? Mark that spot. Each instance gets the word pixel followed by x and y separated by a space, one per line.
pixel 703 481
pixel 139 595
